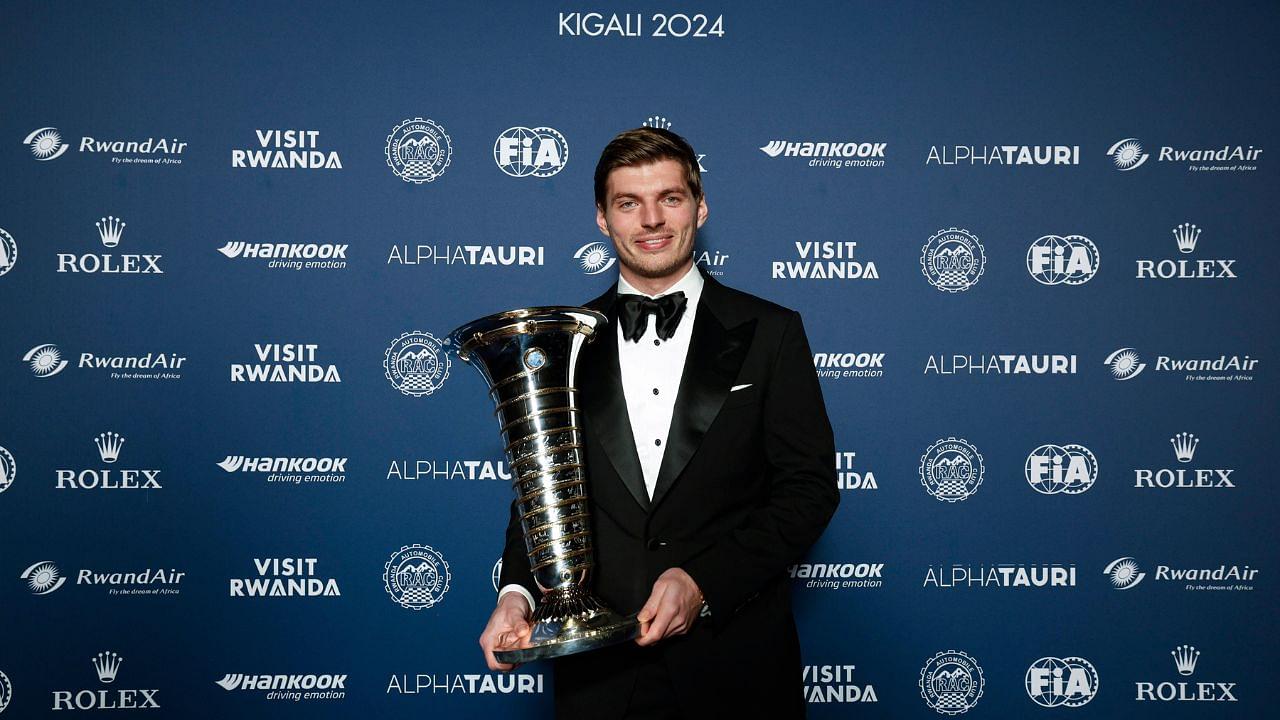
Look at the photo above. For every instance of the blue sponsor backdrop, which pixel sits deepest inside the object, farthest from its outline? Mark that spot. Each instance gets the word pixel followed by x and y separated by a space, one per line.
pixel 920 78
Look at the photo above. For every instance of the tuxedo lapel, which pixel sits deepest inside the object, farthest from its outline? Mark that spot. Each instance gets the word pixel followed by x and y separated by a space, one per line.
pixel 605 403
pixel 715 356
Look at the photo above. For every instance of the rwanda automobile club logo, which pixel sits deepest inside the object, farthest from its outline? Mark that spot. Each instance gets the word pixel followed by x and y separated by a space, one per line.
pixel 951 469
pixel 418 151
pixel 953 260
pixel 416 364
pixel 416 577
pixel 951 682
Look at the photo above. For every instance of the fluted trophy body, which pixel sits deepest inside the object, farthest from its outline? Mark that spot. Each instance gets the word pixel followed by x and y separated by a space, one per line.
pixel 529 359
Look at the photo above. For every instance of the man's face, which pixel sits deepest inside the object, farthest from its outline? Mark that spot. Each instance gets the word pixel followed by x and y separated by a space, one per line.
pixel 652 217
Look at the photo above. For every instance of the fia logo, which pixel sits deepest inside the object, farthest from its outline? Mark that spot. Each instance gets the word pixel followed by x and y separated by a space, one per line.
pixel 8 469
pixel 1063 260
pixel 1061 682
pixel 531 152
pixel 1067 469
pixel 6 691
pixel 8 252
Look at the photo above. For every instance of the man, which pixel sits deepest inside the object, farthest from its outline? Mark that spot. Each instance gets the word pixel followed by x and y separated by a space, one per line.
pixel 710 461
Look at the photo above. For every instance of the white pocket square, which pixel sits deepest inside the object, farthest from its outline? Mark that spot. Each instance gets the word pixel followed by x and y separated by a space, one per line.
pixel 736 388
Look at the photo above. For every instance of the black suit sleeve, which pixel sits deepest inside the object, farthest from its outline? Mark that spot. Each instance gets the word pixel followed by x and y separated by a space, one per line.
pixel 515 560
pixel 800 450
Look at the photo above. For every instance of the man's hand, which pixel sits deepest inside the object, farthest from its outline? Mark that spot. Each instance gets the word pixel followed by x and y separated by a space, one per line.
pixel 508 628
pixel 672 607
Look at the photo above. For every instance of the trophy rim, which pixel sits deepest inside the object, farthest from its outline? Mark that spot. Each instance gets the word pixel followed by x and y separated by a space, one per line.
pixel 502 323
pixel 620 629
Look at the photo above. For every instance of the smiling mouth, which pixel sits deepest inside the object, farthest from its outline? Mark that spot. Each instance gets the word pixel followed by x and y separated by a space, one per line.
pixel 654 243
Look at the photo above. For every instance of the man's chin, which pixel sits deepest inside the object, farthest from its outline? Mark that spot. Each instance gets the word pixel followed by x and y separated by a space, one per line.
pixel 653 271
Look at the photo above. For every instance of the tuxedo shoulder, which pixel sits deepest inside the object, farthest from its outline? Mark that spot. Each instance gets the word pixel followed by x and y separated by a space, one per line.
pixel 744 306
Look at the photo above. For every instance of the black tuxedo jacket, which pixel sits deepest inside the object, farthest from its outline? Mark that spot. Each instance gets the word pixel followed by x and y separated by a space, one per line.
pixel 747 484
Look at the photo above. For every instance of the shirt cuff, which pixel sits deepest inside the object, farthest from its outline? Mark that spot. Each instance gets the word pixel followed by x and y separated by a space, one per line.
pixel 513 587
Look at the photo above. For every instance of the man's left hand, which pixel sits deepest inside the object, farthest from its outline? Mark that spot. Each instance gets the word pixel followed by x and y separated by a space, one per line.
pixel 671 609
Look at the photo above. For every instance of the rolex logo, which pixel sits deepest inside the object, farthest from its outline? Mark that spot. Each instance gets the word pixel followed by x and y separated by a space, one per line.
pixel 657 121
pixel 110 229
pixel 1184 446
pixel 109 446
pixel 1186 234
pixel 1184 657
pixel 107 664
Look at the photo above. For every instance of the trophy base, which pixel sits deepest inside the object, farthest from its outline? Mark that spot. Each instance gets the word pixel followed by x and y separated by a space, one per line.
pixel 556 637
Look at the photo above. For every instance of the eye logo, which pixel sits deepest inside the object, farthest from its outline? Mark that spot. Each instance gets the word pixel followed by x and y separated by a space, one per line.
pixel 46 360
pixel 46 144
pixel 1125 364
pixel 43 577
pixel 1124 573
pixel 594 258
pixel 1127 154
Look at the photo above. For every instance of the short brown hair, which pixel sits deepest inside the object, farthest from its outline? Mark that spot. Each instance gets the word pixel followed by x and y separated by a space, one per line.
pixel 642 146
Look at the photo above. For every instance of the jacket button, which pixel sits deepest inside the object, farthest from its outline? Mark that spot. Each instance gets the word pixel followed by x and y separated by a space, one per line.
pixel 655 544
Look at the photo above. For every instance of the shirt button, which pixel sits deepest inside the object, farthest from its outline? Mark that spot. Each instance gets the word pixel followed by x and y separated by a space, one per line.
pixel 655 391
pixel 657 441
pixel 657 342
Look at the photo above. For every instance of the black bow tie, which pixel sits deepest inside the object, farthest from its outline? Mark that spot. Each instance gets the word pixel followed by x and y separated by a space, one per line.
pixel 633 309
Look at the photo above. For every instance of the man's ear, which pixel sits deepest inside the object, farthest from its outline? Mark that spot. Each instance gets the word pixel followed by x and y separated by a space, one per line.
pixel 702 210
pixel 601 222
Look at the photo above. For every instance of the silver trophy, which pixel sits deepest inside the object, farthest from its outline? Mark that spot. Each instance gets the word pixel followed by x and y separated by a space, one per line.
pixel 529 358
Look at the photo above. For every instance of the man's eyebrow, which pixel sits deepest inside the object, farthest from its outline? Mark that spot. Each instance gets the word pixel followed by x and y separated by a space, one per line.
pixel 664 191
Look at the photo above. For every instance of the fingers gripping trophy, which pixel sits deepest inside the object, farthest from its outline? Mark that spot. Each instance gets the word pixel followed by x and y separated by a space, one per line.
pixel 529 357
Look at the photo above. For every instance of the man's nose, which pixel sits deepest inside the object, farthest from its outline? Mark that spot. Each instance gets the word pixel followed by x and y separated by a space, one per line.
pixel 651 216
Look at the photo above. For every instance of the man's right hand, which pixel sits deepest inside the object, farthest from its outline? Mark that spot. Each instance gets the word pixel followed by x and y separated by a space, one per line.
pixel 508 628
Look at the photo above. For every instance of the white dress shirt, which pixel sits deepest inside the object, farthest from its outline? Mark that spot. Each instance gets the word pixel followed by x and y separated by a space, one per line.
pixel 651 370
